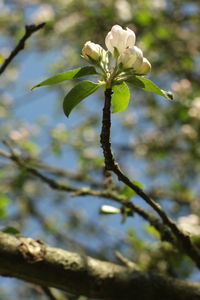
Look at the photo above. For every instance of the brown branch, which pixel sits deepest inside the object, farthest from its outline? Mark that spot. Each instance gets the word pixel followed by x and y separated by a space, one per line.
pixel 75 176
pixel 29 30
pixel 33 261
pixel 110 164
pixel 165 233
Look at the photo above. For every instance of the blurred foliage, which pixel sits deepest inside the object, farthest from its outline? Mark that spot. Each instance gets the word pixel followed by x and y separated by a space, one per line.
pixel 156 142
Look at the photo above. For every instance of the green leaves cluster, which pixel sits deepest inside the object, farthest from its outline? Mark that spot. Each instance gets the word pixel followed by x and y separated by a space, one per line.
pixel 120 96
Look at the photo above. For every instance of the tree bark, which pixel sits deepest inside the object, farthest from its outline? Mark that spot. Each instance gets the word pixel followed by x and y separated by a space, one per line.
pixel 36 262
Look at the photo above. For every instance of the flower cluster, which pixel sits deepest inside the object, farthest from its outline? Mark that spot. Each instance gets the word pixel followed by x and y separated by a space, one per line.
pixel 128 65
pixel 121 44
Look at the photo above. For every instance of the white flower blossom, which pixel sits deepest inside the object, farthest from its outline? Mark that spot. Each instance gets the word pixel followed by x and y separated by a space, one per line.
pixel 120 39
pixel 121 44
pixel 190 224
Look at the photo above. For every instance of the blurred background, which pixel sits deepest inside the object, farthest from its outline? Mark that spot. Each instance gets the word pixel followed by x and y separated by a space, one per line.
pixel 156 142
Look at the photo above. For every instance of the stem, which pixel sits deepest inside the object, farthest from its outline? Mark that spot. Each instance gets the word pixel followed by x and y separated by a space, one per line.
pixel 110 164
pixel 29 30
pixel 105 133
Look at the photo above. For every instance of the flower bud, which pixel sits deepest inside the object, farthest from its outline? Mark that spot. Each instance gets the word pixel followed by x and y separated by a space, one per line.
pixel 108 209
pixel 131 58
pixel 120 39
pixel 92 52
pixel 145 67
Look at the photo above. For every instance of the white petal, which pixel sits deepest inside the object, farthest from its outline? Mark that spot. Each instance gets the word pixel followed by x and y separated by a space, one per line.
pixel 128 57
pixel 131 38
pixel 116 28
pixel 108 42
pixel 117 34
pixel 145 67
pixel 119 38
pixel 139 59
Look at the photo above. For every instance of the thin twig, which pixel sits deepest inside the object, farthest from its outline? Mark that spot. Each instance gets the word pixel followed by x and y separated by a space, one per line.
pixel 165 233
pixel 29 30
pixel 128 263
pixel 48 292
pixel 75 176
pixel 110 164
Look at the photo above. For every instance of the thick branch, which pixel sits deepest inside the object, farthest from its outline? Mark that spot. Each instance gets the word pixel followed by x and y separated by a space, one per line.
pixel 110 164
pixel 29 30
pixel 35 262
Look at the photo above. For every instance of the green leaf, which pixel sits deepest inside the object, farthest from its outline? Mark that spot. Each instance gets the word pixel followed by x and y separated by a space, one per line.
pixel 76 73
pixel 148 85
pixel 126 212
pixel 29 146
pixel 128 192
pixel 1 59
pixel 82 90
pixel 120 97
pixel 10 230
pixel 151 231
pixel 136 242
pixel 4 201
pixel 116 52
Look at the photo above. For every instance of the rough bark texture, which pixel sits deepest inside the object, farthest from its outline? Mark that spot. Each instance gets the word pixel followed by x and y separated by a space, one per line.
pixel 36 262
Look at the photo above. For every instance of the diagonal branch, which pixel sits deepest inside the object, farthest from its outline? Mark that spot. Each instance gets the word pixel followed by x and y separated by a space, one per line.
pixel 36 262
pixel 29 30
pixel 165 233
pixel 110 164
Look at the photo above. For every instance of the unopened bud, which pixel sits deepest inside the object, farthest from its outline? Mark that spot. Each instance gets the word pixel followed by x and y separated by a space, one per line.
pixel 108 209
pixel 92 52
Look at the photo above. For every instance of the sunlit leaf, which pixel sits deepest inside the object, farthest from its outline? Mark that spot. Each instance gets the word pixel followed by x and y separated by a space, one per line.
pixel 82 90
pixel 148 85
pixel 1 59
pixel 3 205
pixel 10 230
pixel 137 243
pixel 76 73
pixel 30 146
pixel 128 192
pixel 120 97
pixel 126 212
pixel 151 230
